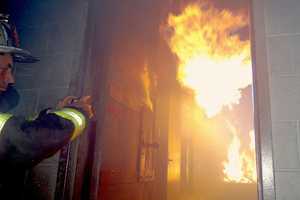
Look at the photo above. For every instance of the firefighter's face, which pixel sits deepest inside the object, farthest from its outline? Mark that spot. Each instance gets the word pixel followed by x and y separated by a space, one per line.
pixel 6 75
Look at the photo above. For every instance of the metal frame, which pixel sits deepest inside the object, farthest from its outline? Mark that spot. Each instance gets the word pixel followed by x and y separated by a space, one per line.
pixel 262 108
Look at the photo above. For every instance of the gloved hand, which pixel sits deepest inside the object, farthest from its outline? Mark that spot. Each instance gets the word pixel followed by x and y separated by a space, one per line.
pixel 83 103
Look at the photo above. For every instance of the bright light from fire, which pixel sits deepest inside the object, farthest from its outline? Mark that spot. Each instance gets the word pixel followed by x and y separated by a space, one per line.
pixel 216 64
pixel 213 60
pixel 145 77
pixel 240 166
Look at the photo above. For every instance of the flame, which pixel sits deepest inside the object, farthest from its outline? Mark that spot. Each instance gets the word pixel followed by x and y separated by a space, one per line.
pixel 145 78
pixel 241 166
pixel 213 61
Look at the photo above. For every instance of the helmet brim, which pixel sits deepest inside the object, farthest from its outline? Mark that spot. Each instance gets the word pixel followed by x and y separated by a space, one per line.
pixel 19 55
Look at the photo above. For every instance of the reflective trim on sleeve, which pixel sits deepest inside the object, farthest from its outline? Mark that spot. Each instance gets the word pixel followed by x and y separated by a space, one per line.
pixel 3 119
pixel 76 117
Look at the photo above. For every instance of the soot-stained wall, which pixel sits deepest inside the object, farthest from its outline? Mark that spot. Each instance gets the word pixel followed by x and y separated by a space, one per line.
pixel 52 30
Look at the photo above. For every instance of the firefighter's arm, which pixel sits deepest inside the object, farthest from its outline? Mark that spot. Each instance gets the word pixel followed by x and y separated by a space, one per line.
pixel 27 142
pixel 77 110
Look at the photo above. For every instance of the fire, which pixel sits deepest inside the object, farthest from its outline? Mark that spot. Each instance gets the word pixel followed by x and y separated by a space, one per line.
pixel 213 61
pixel 145 78
pixel 240 166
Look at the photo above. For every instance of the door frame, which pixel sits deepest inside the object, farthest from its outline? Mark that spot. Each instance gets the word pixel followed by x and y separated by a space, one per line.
pixel 262 107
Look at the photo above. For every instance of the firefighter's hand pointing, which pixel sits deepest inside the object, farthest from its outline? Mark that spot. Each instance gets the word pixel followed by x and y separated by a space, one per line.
pixel 84 103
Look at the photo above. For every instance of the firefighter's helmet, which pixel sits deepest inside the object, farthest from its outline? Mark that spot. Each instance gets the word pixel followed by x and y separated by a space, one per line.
pixel 9 42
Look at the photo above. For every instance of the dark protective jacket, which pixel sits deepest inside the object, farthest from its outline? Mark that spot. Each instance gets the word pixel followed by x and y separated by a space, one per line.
pixel 25 142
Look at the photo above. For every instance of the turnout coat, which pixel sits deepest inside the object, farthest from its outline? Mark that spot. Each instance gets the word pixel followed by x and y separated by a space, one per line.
pixel 24 142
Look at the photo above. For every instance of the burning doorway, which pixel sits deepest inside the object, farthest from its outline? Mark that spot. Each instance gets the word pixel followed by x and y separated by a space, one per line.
pixel 212 150
pixel 160 125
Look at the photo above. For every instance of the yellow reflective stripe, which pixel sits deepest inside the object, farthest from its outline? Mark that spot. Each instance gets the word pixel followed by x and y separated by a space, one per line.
pixel 3 119
pixel 32 118
pixel 76 117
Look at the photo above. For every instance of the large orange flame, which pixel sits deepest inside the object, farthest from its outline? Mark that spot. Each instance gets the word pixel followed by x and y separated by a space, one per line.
pixel 240 166
pixel 215 63
pixel 213 60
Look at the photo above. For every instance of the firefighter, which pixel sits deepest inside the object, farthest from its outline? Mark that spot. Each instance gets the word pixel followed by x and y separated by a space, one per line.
pixel 26 142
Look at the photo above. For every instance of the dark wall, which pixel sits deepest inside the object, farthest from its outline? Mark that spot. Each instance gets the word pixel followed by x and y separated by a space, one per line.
pixel 52 30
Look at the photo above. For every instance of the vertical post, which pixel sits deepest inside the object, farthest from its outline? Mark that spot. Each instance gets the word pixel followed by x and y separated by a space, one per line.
pixel 262 110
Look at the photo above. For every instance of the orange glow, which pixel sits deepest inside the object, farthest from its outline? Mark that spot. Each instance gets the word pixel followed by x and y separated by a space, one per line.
pixel 240 167
pixel 213 61
pixel 145 77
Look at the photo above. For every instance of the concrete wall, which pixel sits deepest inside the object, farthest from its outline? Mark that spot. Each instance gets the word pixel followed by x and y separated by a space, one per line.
pixel 54 31
pixel 283 48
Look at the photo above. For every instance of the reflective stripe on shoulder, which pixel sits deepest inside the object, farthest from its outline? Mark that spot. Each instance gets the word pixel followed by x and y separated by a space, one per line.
pixel 3 119
pixel 76 117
